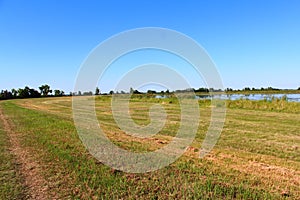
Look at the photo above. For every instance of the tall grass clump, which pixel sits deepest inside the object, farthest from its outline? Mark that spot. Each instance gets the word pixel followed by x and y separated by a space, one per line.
pixel 275 104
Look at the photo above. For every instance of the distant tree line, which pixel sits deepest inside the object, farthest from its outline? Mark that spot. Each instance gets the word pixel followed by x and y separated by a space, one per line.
pixel 199 90
pixel 253 89
pixel 27 92
pixel 46 91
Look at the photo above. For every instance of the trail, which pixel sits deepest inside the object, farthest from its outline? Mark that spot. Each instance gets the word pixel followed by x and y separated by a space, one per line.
pixel 35 184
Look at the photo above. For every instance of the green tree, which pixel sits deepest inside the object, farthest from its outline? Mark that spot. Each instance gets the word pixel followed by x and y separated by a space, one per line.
pixel 14 92
pixel 5 94
pixel 97 92
pixel 59 93
pixel 228 90
pixel 131 90
pixel 56 92
pixel 45 90
pixel 136 92
pixel 24 93
pixel 34 93
pixel 151 92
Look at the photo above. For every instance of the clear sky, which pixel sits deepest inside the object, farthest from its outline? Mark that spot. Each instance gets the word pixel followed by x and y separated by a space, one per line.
pixel 253 43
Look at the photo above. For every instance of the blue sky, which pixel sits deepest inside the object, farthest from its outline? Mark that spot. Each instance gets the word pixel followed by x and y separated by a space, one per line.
pixel 253 43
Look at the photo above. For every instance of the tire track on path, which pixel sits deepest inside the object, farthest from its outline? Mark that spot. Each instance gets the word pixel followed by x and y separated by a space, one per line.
pixel 35 185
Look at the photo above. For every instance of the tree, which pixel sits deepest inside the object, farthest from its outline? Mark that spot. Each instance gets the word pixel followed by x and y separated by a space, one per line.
pixel 211 89
pixel 34 93
pixel 131 90
pixel 20 93
pixel 28 93
pixel 24 93
pixel 45 90
pixel 5 94
pixel 136 92
pixel 58 93
pixel 298 88
pixel 151 92
pixel 97 92
pixel 228 90
pixel 90 93
pixel 14 92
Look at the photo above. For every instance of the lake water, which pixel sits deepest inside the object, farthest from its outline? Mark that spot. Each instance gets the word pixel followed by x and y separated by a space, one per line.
pixel 290 97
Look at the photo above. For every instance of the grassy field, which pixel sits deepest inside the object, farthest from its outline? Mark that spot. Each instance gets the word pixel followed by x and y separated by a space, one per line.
pixel 256 157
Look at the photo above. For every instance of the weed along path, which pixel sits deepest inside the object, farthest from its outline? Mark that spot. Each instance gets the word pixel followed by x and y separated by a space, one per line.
pixel 35 185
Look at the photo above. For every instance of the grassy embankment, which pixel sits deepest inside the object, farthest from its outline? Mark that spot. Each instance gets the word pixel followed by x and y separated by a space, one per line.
pixel 257 156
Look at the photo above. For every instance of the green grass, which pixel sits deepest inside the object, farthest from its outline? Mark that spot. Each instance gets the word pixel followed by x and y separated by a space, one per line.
pixel 278 105
pixel 10 181
pixel 257 156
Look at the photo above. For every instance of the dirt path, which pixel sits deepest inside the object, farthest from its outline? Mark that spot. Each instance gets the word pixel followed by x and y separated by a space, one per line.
pixel 35 184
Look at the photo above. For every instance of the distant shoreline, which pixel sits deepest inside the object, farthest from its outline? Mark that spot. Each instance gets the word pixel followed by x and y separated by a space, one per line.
pixel 284 91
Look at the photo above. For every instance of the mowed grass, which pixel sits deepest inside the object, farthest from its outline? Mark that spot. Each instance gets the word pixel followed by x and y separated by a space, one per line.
pixel 10 180
pixel 257 156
